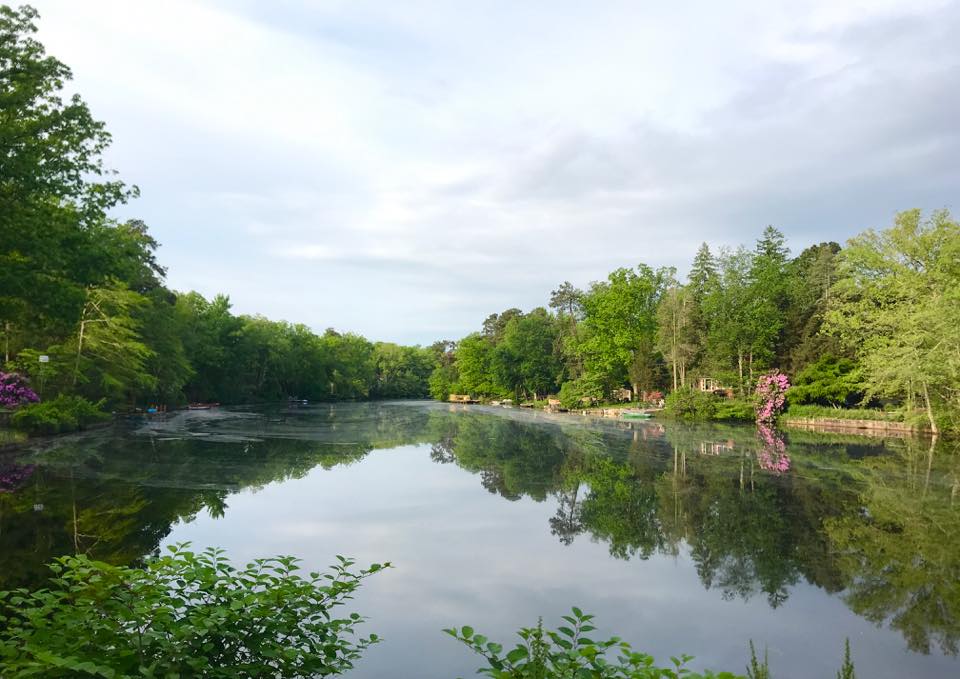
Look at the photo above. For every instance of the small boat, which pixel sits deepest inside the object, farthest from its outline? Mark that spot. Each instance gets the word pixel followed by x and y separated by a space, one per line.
pixel 635 415
pixel 202 406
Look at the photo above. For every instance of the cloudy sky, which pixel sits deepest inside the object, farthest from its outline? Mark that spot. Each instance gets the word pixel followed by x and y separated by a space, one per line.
pixel 402 169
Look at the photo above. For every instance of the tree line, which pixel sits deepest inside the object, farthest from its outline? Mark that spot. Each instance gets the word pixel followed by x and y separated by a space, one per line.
pixel 876 323
pixel 87 293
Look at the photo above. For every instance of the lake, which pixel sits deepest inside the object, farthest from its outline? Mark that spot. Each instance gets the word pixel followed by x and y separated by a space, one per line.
pixel 679 538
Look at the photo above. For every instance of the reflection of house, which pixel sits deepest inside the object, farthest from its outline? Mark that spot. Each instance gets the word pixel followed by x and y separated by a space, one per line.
pixel 714 386
pixel 715 447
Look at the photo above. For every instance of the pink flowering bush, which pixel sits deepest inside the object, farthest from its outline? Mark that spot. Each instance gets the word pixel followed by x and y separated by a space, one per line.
pixel 14 391
pixel 771 396
pixel 772 455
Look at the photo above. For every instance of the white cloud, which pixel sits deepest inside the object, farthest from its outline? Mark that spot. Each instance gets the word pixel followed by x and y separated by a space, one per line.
pixel 415 166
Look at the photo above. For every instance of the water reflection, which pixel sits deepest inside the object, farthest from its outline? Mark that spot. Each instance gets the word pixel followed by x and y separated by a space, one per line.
pixel 878 523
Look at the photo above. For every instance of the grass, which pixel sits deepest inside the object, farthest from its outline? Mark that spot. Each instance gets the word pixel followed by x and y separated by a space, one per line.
pixel 815 411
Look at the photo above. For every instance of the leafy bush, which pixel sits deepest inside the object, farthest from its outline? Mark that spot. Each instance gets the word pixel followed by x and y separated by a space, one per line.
pixel 830 381
pixel 62 414
pixel 686 403
pixel 568 652
pixel 573 392
pixel 185 614
pixel 740 410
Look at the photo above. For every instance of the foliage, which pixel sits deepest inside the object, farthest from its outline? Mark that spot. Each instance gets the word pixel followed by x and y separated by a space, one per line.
pixel 771 393
pixel 831 380
pixel 897 305
pixel 620 321
pixel 687 403
pixel 846 670
pixel 183 614
pixel 569 652
pixel 676 333
pixel 574 392
pixel 733 410
pixel 523 361
pixel 59 415
pixel 758 669
pixel 401 372
pixel 15 391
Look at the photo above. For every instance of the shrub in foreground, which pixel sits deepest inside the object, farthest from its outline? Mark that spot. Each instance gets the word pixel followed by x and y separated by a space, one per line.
pixel 62 414
pixel 568 651
pixel 184 614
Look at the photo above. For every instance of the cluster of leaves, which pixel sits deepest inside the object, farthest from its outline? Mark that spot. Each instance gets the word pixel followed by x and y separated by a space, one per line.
pixel 568 653
pixel 830 381
pixel 691 405
pixel 687 403
pixel 15 391
pixel 59 415
pixel 184 614
pixel 896 307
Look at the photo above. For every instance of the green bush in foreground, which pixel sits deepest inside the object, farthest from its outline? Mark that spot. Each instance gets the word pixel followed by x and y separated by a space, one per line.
pixel 184 614
pixel 568 652
pixel 62 414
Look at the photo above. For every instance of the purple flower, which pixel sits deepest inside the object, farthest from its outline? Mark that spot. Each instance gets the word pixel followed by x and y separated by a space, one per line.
pixel 14 391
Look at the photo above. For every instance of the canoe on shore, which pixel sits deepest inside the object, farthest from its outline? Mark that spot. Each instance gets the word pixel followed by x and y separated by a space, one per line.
pixel 202 406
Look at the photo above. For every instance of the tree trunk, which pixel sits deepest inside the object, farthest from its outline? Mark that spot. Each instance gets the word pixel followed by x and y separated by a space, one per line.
pixel 926 400
pixel 76 365
pixel 6 341
pixel 740 368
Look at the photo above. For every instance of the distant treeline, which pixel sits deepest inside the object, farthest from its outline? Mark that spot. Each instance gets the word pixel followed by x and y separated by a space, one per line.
pixel 88 292
pixel 875 322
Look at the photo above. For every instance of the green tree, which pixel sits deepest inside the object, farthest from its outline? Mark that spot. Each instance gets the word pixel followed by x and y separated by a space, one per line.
pixel 53 185
pixel 897 305
pixel 620 321
pixel 474 356
pixel 676 338
pixel 810 277
pixel 107 350
pixel 524 362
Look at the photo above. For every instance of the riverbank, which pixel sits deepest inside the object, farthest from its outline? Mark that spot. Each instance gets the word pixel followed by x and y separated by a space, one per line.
pixel 871 428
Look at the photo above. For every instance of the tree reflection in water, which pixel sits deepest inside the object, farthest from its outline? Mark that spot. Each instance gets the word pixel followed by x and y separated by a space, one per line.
pixel 755 511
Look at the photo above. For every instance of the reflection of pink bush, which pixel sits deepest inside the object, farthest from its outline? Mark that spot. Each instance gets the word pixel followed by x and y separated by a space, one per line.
pixel 11 477
pixel 771 396
pixel 772 455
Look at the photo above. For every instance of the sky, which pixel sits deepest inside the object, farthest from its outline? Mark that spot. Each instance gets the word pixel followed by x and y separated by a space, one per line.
pixel 404 169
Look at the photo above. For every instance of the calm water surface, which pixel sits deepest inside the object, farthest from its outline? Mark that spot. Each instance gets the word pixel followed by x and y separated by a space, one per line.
pixel 679 538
